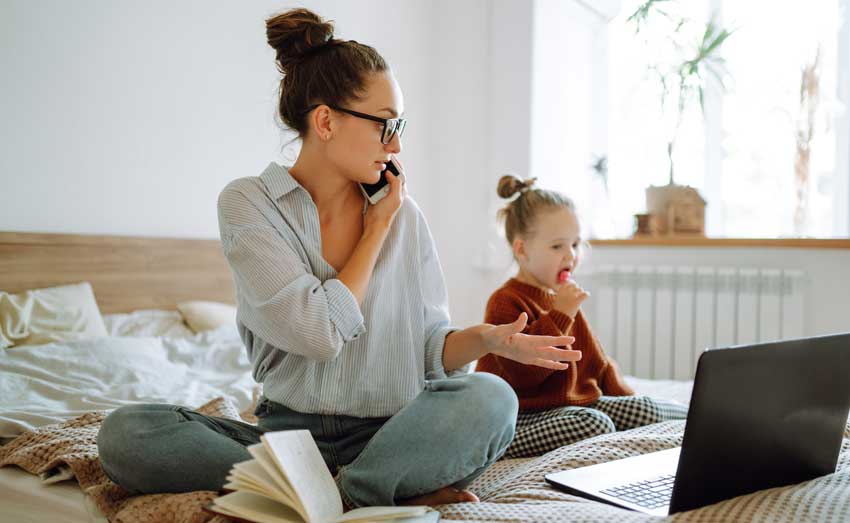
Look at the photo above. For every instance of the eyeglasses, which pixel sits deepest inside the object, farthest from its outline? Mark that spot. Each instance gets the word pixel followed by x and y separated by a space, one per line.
pixel 391 125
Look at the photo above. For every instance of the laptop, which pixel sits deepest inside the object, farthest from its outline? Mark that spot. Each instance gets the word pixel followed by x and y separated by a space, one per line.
pixel 761 416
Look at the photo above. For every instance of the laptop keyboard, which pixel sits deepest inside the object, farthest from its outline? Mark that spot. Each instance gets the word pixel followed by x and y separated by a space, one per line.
pixel 652 493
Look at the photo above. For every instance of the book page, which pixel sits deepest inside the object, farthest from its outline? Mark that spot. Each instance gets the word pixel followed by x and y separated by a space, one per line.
pixel 250 475
pixel 298 458
pixel 254 507
pixel 383 514
pixel 262 456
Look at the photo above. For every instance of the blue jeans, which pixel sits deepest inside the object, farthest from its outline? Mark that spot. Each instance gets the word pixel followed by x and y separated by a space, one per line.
pixel 448 435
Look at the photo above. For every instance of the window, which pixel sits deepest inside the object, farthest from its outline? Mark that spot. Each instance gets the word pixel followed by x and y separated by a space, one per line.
pixel 741 155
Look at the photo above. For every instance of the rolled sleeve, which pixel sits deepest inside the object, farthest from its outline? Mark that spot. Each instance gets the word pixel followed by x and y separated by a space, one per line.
pixel 343 310
pixel 434 368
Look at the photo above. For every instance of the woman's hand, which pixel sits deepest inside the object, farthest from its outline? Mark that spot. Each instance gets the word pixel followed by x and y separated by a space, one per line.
pixel 508 341
pixel 383 212
pixel 569 298
pixel 376 225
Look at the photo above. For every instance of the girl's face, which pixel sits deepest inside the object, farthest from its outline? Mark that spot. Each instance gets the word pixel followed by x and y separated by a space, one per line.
pixel 551 246
pixel 355 148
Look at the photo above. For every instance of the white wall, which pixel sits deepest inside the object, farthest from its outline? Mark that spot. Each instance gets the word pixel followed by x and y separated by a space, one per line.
pixel 480 106
pixel 123 117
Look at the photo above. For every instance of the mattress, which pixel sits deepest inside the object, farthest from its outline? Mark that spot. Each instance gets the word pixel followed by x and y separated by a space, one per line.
pixel 25 499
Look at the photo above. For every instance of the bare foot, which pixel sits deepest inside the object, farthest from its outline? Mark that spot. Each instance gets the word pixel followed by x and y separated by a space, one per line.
pixel 444 496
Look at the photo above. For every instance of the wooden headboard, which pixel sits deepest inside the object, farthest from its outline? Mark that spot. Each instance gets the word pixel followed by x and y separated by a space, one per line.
pixel 127 273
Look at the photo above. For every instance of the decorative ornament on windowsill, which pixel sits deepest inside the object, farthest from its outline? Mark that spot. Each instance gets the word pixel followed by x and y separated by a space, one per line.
pixel 675 209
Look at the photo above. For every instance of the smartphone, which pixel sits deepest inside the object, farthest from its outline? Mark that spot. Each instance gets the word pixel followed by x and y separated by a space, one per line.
pixel 375 192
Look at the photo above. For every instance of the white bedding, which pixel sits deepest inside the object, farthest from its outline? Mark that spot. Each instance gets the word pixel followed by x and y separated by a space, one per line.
pixel 50 383
pixel 662 389
pixel 25 499
pixel 148 322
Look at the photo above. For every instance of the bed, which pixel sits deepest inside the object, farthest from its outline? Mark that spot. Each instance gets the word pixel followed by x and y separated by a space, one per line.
pixel 127 274
pixel 65 388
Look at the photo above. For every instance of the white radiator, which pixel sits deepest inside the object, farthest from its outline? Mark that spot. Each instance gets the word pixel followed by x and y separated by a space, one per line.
pixel 655 321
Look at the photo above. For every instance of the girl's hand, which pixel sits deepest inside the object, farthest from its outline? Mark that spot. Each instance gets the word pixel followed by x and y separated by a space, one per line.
pixel 508 341
pixel 383 212
pixel 569 298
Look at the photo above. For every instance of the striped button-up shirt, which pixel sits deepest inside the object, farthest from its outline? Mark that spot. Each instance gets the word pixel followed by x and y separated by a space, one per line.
pixel 311 345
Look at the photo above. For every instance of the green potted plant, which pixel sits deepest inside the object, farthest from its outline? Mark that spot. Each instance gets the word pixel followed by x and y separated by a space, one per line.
pixel 681 74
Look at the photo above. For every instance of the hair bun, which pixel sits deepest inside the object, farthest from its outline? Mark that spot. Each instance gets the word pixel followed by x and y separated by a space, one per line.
pixel 295 34
pixel 509 185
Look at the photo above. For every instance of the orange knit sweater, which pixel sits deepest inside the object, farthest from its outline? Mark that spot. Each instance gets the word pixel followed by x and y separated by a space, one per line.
pixel 539 388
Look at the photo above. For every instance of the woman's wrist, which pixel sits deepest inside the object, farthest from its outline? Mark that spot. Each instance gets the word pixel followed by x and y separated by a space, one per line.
pixel 464 346
pixel 358 270
pixel 377 226
pixel 374 235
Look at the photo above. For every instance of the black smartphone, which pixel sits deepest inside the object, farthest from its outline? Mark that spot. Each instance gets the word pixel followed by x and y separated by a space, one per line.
pixel 374 192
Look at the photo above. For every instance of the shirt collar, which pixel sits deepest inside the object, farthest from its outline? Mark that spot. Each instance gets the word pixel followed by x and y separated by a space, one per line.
pixel 278 180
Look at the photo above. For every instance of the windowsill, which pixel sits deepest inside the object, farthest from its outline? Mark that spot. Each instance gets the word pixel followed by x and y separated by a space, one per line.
pixel 701 241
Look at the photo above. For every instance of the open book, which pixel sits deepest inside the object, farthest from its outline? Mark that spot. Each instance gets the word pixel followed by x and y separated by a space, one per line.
pixel 289 482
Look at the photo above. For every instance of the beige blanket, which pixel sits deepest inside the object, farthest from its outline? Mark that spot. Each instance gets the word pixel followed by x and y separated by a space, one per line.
pixel 511 490
pixel 73 445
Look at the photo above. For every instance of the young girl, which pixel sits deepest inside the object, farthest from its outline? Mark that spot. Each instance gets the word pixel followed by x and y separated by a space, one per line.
pixel 590 397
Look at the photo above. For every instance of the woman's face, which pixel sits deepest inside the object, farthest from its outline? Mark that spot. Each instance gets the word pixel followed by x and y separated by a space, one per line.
pixel 355 147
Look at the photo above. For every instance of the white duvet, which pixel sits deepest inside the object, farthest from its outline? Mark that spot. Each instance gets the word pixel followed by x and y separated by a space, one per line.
pixel 45 384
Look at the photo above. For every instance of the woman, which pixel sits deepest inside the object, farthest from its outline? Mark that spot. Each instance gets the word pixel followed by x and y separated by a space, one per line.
pixel 343 310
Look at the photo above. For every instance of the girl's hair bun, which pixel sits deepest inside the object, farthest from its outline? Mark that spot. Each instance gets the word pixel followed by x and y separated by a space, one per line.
pixel 509 185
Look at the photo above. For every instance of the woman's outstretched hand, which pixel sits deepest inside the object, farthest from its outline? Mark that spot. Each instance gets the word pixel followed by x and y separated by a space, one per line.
pixel 508 341
pixel 385 210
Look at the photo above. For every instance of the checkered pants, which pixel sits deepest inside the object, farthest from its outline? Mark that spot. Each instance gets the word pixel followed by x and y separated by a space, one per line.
pixel 538 432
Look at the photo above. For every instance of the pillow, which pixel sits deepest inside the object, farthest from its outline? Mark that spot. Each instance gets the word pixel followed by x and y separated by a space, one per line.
pixel 147 322
pixel 64 313
pixel 207 315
